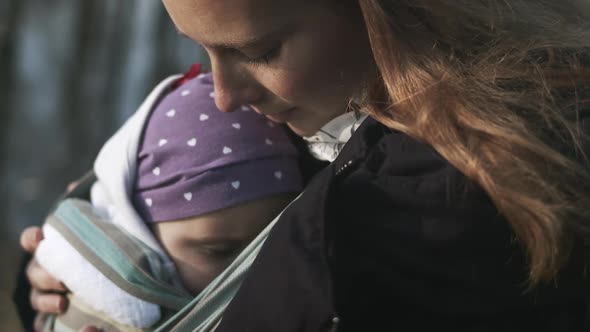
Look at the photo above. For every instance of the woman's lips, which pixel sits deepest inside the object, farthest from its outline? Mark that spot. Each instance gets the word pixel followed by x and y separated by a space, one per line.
pixel 280 117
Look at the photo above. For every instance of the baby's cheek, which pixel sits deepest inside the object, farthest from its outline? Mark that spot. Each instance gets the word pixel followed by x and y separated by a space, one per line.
pixel 196 273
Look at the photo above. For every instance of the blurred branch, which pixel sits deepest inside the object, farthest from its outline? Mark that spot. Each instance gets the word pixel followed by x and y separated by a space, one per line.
pixel 9 22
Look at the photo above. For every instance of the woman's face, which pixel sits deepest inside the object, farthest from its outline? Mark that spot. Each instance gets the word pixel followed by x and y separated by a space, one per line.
pixel 296 61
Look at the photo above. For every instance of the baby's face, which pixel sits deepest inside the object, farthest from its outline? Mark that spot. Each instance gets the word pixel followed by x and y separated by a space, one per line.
pixel 202 247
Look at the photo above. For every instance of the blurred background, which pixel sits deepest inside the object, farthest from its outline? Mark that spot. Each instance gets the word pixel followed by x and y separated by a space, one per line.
pixel 71 72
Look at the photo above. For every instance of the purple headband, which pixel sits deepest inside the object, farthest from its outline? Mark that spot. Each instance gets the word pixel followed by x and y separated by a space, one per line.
pixel 194 159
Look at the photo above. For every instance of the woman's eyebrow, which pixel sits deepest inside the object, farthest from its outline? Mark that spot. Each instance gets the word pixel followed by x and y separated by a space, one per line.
pixel 246 43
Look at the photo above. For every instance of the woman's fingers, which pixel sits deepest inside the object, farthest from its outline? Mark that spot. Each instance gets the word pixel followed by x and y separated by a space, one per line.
pixel 48 303
pixel 72 185
pixel 30 238
pixel 39 322
pixel 41 280
pixel 43 297
pixel 90 329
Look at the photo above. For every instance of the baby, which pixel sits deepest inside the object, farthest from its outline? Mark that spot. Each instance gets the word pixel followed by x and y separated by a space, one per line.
pixel 191 183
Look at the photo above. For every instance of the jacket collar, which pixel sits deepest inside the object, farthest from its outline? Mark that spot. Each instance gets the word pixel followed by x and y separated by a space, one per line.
pixel 327 143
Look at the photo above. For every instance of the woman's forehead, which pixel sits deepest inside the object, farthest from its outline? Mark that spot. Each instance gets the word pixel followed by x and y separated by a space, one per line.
pixel 213 22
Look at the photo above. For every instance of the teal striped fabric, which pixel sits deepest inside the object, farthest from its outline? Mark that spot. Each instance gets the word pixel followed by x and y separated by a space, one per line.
pixel 117 254
pixel 137 269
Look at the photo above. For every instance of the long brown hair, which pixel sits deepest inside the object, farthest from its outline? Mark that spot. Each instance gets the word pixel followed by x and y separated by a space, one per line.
pixel 494 87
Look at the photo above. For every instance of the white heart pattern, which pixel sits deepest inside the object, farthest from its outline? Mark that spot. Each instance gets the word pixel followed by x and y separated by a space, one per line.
pixel 171 113
pixel 163 141
pixel 268 141
pixel 245 108
pixel 236 125
pixel 212 94
pixel 278 175
pixel 185 93
pixel 148 201
pixel 227 150
pixel 192 142
pixel 235 184
pixel 156 171
pixel 188 196
pixel 204 117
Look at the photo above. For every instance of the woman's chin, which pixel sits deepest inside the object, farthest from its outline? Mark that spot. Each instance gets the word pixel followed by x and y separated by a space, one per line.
pixel 302 130
pixel 305 127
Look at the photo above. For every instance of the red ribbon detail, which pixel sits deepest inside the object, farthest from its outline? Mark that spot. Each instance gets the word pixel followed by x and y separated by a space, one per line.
pixel 193 72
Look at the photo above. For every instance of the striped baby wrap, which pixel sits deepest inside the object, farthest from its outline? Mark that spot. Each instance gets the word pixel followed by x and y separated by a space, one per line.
pixel 137 269
pixel 119 256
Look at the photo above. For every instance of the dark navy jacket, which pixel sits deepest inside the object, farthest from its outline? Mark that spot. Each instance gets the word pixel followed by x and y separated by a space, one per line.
pixel 391 237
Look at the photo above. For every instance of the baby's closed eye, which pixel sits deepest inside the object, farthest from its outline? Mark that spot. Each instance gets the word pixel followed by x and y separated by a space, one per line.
pixel 220 251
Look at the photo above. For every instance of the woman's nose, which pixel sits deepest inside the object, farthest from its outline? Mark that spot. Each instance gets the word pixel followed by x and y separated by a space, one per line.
pixel 233 87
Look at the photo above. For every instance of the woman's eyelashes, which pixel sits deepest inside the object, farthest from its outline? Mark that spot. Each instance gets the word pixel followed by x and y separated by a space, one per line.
pixel 265 58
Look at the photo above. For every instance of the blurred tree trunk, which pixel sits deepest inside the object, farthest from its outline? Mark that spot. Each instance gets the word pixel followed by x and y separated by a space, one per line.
pixel 9 17
pixel 10 13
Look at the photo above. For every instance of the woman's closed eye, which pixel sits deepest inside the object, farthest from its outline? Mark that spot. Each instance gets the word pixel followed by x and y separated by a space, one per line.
pixel 266 58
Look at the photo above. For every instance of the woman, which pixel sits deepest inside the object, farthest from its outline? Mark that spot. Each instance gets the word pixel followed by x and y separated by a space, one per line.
pixel 459 204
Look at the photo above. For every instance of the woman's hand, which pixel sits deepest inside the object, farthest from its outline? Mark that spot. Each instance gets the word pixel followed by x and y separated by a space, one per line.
pixel 90 329
pixel 47 293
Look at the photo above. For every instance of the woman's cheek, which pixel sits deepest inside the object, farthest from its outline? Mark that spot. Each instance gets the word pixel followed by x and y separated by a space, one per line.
pixel 295 85
pixel 289 86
